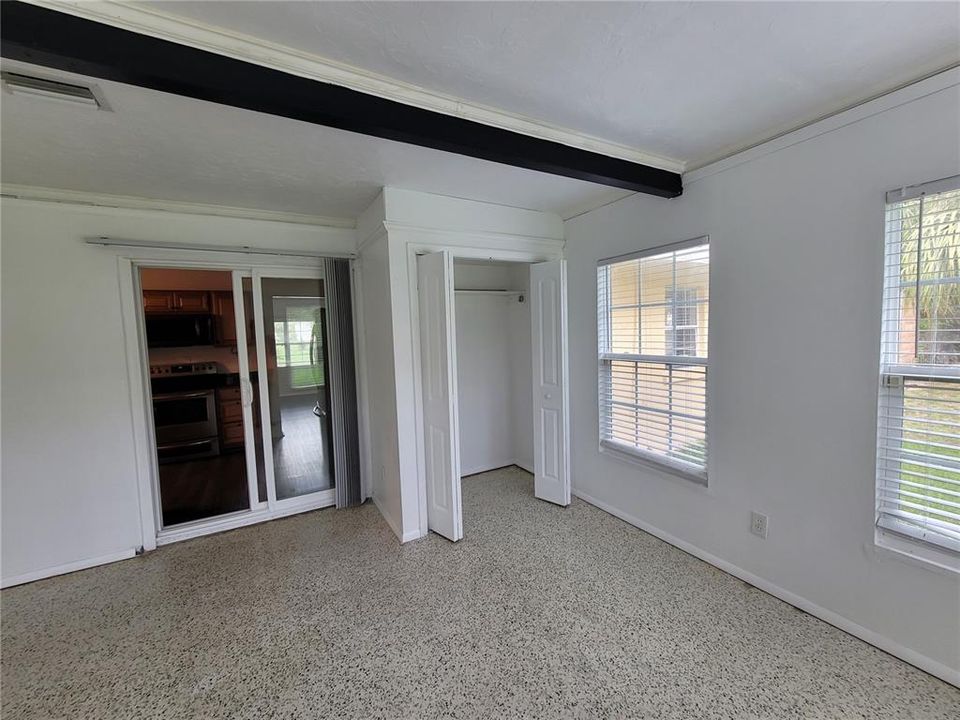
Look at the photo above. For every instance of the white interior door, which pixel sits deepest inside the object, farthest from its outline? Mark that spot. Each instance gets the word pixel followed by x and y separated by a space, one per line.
pixel 551 417
pixel 438 364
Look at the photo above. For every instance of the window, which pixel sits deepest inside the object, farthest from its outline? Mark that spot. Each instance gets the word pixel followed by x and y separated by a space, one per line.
pixel 299 340
pixel 682 312
pixel 652 310
pixel 918 455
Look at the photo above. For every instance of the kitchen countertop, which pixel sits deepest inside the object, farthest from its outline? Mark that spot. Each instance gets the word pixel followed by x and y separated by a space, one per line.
pixel 225 358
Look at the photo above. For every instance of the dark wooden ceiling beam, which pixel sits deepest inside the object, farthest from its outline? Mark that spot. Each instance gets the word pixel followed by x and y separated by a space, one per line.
pixel 58 40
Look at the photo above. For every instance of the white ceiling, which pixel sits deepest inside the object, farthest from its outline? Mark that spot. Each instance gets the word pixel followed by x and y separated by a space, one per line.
pixel 167 147
pixel 684 80
pixel 688 81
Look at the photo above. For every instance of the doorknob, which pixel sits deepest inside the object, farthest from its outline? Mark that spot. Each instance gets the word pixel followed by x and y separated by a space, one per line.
pixel 547 396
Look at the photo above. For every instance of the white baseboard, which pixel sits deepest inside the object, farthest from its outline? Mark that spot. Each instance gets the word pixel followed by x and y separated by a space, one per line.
pixel 523 465
pixel 410 535
pixel 68 568
pixel 486 467
pixel 403 537
pixel 923 662
pixel 497 466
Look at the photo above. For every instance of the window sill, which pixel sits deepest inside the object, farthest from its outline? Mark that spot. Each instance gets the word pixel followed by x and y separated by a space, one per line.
pixel 627 454
pixel 916 551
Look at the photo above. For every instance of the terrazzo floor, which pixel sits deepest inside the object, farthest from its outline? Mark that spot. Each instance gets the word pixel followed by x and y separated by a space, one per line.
pixel 540 612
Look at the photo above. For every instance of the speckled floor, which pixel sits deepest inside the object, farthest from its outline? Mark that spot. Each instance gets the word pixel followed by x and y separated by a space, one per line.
pixel 540 612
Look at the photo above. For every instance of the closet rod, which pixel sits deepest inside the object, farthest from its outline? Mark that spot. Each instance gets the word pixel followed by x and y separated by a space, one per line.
pixel 489 292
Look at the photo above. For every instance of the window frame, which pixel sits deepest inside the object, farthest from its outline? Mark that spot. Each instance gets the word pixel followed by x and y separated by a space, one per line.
pixel 902 536
pixel 629 453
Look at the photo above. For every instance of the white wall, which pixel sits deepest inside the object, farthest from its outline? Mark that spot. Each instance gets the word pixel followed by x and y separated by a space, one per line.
pixel 796 275
pixel 483 383
pixel 69 476
pixel 521 377
pixel 381 387
pixel 494 375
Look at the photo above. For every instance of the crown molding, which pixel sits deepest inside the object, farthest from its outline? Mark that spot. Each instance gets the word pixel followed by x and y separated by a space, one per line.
pixel 129 202
pixel 457 237
pixel 938 82
pixel 148 21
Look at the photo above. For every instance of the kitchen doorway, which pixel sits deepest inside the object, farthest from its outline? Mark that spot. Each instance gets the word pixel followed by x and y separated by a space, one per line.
pixel 240 395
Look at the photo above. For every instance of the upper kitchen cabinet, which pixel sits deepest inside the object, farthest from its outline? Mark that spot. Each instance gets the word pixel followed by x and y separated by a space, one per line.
pixel 192 301
pixel 158 301
pixel 174 301
pixel 226 319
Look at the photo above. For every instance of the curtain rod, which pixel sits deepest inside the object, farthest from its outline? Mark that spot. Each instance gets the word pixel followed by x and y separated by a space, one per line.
pixel 242 249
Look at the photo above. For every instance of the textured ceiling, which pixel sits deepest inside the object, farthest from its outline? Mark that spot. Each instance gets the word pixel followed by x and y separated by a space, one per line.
pixel 688 81
pixel 166 147
pixel 691 81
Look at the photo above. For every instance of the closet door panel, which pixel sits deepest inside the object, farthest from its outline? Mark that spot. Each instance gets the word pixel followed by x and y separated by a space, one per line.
pixel 438 362
pixel 550 406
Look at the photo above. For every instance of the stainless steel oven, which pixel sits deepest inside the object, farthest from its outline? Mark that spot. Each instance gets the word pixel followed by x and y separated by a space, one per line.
pixel 185 419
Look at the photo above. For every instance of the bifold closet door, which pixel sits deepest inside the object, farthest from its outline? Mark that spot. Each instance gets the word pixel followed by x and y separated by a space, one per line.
pixel 438 365
pixel 551 418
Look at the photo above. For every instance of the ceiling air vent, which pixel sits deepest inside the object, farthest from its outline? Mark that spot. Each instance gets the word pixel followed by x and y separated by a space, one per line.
pixel 31 86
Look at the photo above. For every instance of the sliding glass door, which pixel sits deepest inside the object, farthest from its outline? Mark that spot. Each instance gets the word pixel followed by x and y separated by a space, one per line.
pixel 240 391
pixel 204 428
pixel 294 386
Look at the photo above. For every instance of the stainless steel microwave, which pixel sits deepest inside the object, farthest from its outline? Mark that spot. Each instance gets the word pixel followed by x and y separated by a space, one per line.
pixel 179 330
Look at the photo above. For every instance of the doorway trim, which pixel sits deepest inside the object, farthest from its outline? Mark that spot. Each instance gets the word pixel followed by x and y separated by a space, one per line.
pixel 140 396
pixel 494 247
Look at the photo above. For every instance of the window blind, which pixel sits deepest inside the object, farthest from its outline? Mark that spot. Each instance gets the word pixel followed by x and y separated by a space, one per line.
pixel 652 312
pixel 918 456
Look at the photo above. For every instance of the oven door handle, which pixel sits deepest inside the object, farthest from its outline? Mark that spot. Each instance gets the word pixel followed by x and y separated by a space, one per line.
pixel 183 396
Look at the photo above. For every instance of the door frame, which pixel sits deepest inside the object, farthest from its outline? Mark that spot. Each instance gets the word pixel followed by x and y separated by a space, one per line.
pixel 535 250
pixel 140 395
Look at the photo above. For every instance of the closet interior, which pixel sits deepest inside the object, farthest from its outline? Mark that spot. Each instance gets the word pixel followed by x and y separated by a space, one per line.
pixel 494 368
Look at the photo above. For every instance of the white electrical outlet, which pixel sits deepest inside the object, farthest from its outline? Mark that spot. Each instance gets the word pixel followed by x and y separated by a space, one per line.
pixel 758 524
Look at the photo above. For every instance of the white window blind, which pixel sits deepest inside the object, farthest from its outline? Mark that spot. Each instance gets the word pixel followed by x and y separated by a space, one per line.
pixel 918 456
pixel 652 311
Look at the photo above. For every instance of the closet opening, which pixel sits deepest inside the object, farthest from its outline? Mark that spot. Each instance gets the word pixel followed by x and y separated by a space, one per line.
pixel 493 377
pixel 494 369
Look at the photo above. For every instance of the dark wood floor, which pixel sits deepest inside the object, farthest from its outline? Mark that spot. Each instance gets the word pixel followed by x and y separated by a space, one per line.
pixel 301 462
pixel 208 487
pixel 203 488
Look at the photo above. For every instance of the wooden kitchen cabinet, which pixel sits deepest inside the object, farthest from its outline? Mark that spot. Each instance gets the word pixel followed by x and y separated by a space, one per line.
pixel 159 301
pixel 232 435
pixel 231 416
pixel 192 301
pixel 226 319
pixel 176 301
